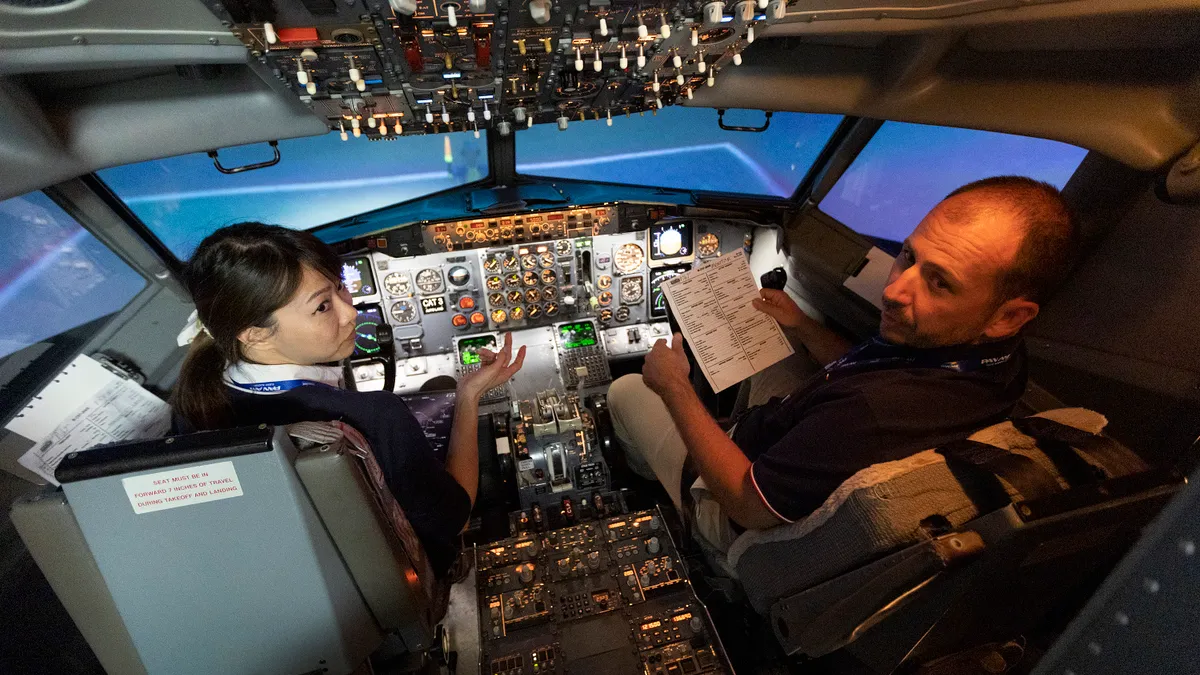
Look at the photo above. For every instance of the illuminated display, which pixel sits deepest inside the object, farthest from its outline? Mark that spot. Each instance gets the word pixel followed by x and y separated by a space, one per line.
pixel 575 335
pixel 357 275
pixel 671 240
pixel 658 299
pixel 366 331
pixel 468 348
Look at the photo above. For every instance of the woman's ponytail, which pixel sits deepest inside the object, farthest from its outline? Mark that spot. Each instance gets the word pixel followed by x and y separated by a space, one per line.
pixel 199 394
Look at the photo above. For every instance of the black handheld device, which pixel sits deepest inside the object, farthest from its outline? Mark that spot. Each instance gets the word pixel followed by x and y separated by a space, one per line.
pixel 776 279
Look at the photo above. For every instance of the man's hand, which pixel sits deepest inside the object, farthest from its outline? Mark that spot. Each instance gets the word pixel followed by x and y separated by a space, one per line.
pixel 495 371
pixel 780 306
pixel 666 370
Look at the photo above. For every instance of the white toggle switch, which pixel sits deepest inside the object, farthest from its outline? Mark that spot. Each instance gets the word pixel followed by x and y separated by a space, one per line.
pixel 598 64
pixel 712 14
pixel 397 129
pixel 689 94
pixel 309 54
pixel 405 7
pixel 641 60
pixel 519 114
pixel 383 129
pixel 355 75
pixel 269 34
pixel 677 60
pixel 762 4
pixel 445 115
pixel 712 78
pixel 562 123
pixel 679 79
pixel 743 12
pixel 737 58
pixel 578 60
pixel 428 115
pixel 476 131
pixel 361 85
pixel 357 131
pixel 624 62
pixel 470 114
pixel 643 32
pixel 342 129
pixel 665 29
pixel 451 16
pixel 302 76
pixel 695 36
pixel 701 65
pixel 311 88
pixel 603 27
pixel 609 118
pixel 487 112
pixel 656 86
pixel 750 34
pixel 658 103
pixel 354 123
pixel 539 11
pixel 371 122
pixel 529 122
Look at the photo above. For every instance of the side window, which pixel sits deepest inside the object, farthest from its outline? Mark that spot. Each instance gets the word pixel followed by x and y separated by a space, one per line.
pixel 908 168
pixel 55 278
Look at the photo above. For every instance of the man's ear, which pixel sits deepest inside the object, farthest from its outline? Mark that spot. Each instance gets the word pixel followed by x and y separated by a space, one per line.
pixel 254 336
pixel 1010 318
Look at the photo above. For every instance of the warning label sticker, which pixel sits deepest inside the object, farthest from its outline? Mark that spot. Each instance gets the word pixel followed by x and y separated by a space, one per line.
pixel 182 487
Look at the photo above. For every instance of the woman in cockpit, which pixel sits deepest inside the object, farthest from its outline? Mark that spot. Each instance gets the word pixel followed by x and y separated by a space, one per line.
pixel 275 321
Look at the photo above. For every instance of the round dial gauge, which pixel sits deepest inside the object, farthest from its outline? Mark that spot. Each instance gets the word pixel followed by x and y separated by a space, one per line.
pixel 622 314
pixel 510 263
pixel 562 247
pixel 546 259
pixel 631 290
pixel 605 298
pixel 605 315
pixel 530 278
pixel 604 282
pixel 404 311
pixel 549 277
pixel 516 313
pixel 533 295
pixel 494 283
pixel 512 280
pixel 529 261
pixel 550 292
pixel 491 265
pixel 533 311
pixel 459 275
pixel 398 283
pixel 499 316
pixel 514 297
pixel 709 245
pixel 429 281
pixel 669 242
pixel 496 299
pixel 551 308
pixel 628 258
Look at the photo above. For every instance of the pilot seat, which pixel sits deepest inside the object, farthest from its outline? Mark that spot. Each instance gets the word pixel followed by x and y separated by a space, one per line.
pixel 253 550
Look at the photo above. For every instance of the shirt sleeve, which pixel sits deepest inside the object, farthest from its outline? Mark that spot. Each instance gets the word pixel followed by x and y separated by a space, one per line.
pixel 795 475
pixel 436 505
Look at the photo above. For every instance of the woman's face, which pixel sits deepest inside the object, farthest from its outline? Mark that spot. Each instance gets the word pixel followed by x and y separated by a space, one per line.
pixel 316 326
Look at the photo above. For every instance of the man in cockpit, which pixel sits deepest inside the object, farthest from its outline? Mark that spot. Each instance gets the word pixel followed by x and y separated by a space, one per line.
pixel 949 359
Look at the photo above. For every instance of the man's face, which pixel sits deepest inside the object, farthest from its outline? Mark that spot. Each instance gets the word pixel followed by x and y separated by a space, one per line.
pixel 942 287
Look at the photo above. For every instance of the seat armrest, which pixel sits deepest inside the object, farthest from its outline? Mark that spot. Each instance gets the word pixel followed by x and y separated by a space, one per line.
pixel 831 615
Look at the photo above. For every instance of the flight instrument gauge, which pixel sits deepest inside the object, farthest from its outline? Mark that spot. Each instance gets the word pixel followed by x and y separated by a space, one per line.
pixel 494 283
pixel 513 280
pixel 530 278
pixel 496 298
pixel 551 308
pixel 628 258
pixel 549 277
pixel 516 313
pixel 622 314
pixel 491 265
pixel 562 247
pixel 529 261
pixel 709 245
pixel 550 292
pixel 430 281
pixel 604 282
pixel 459 275
pixel 533 295
pixel 671 240
pixel 546 259
pixel 404 311
pixel 514 297
pixel 499 316
pixel 533 311
pixel 398 283
pixel 510 263
pixel 605 298
pixel 632 289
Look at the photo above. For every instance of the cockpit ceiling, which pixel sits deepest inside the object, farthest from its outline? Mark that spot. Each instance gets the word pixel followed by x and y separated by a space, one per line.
pixel 93 84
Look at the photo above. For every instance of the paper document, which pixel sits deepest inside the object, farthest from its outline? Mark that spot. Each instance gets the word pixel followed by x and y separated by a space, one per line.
pixel 730 339
pixel 86 406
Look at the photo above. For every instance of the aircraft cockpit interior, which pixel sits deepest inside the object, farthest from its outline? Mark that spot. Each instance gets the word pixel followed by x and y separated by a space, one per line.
pixel 846 337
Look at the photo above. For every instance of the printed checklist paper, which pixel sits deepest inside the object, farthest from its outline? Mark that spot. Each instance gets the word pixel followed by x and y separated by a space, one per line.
pixel 729 338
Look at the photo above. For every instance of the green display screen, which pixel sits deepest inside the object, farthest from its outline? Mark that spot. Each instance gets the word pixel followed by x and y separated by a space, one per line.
pixel 468 348
pixel 574 335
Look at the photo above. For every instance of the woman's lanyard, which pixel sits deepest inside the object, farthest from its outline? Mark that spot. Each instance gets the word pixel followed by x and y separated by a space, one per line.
pixel 255 378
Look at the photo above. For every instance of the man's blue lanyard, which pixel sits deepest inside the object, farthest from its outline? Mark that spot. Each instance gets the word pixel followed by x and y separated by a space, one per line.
pixel 857 359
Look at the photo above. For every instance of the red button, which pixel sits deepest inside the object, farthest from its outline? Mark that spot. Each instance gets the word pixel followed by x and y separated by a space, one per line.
pixel 478 318
pixel 287 35
pixel 459 321
pixel 466 302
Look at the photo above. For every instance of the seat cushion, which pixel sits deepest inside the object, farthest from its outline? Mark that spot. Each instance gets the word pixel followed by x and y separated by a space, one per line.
pixel 879 509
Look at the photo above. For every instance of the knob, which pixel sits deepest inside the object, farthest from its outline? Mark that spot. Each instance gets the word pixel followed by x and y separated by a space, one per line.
pixel 653 546
pixel 776 10
pixel 564 564
pixel 519 114
pixel 525 572
pixel 655 523
pixel 405 7
pixel 712 14
pixel 539 11
pixel 562 123
pixel 651 568
pixel 504 128
pixel 478 6
pixel 593 560
pixel 743 12
pixel 696 623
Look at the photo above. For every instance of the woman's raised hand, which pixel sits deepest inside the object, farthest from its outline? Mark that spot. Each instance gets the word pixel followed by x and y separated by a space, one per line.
pixel 497 368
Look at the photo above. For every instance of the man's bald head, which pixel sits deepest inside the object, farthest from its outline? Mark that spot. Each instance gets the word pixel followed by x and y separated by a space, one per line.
pixel 1050 235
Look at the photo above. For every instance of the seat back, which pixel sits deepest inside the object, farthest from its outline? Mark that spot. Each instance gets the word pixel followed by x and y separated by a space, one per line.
pixel 880 509
pixel 205 553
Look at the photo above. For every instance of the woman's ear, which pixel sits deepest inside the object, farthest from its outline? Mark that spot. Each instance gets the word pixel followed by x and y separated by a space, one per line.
pixel 255 337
